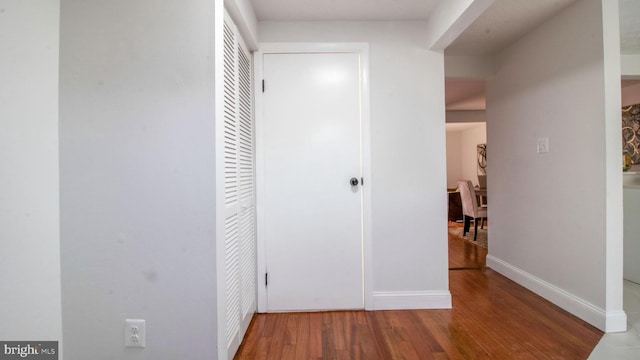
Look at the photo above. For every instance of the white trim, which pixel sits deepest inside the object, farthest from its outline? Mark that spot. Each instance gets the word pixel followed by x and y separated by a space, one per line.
pixel 261 250
pixel 411 300
pixel 234 345
pixel 221 299
pixel 275 48
pixel 616 321
pixel 242 14
pixel 614 214
pixel 367 228
pixel 577 306
pixel 319 47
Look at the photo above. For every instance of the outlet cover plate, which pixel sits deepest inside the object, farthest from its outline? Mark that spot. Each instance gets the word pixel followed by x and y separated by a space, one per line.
pixel 134 333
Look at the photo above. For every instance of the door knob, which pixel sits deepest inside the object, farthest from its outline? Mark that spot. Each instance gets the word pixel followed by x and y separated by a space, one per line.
pixel 354 181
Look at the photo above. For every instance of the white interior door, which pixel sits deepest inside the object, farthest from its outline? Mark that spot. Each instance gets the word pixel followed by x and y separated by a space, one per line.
pixel 311 150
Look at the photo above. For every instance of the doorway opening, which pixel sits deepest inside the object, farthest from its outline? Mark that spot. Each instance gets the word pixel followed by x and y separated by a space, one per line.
pixel 466 139
pixel 630 91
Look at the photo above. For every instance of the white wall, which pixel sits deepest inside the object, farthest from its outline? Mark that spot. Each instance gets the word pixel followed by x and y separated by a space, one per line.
pixel 466 116
pixel 631 95
pixel 548 217
pixel 454 158
pixel 138 176
pixel 408 151
pixel 29 202
pixel 469 67
pixel 462 152
pixel 469 141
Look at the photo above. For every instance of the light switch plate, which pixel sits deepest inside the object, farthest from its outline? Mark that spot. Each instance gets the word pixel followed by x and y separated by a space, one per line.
pixel 543 145
pixel 134 333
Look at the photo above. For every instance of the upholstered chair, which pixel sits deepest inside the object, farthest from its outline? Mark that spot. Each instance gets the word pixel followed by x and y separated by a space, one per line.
pixel 470 208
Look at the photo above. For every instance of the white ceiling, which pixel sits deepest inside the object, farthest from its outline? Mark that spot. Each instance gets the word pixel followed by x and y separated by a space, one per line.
pixel 465 94
pixel 629 26
pixel 321 10
pixel 626 83
pixel 504 22
pixel 460 127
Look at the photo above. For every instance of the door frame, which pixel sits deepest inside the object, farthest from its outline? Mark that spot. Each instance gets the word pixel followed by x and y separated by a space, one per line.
pixel 367 249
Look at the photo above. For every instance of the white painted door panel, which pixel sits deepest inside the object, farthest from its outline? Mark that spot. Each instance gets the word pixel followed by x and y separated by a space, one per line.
pixel 238 175
pixel 312 148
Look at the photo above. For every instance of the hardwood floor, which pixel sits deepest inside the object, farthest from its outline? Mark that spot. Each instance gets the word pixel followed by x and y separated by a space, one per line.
pixel 464 255
pixel 492 318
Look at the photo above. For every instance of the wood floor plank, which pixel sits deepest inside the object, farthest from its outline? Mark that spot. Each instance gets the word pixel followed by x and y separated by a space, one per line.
pixel 363 346
pixel 486 321
pixel 417 335
pixel 278 336
pixel 264 341
pixel 302 337
pixel 328 340
pixel 315 336
pixel 288 352
pixel 463 254
pixel 338 323
pixel 376 331
pixel 437 323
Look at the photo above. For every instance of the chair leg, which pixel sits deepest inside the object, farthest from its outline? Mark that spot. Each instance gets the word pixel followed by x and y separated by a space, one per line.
pixel 467 224
pixel 482 224
pixel 475 228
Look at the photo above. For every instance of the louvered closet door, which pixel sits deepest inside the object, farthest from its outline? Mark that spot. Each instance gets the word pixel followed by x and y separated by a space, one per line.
pixel 240 245
pixel 246 175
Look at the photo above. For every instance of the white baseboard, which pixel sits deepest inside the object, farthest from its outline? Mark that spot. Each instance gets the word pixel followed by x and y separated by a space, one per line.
pixel 585 310
pixel 411 300
pixel 616 321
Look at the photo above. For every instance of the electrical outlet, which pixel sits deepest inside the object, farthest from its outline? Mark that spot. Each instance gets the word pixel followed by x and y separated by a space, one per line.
pixel 134 333
pixel 543 145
